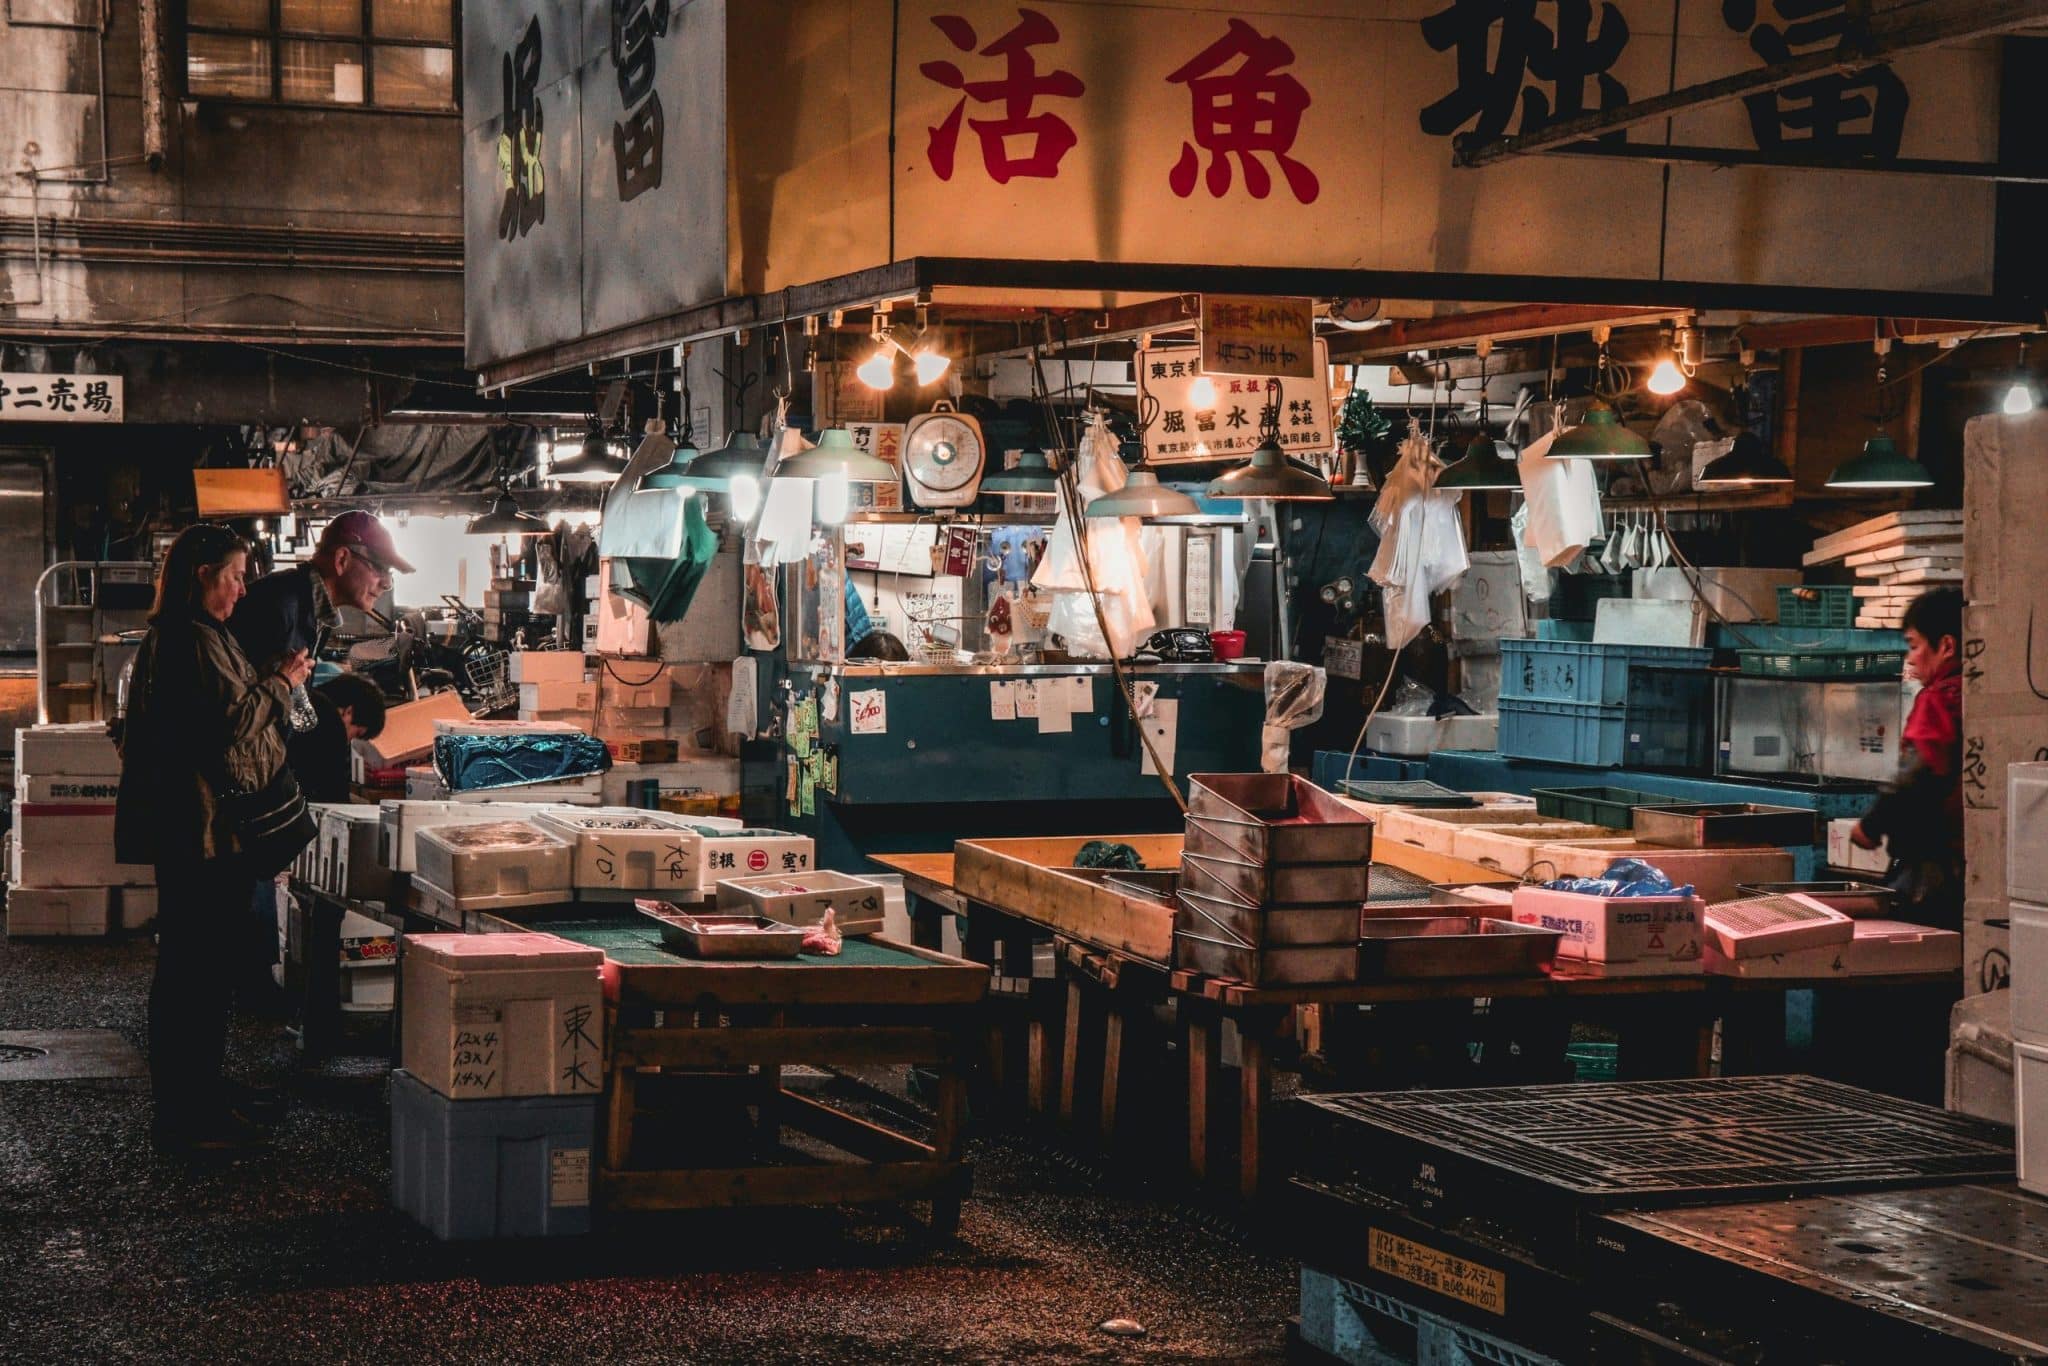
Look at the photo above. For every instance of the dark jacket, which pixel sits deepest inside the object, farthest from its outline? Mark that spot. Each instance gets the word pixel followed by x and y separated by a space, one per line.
pixel 321 757
pixel 200 720
pixel 277 617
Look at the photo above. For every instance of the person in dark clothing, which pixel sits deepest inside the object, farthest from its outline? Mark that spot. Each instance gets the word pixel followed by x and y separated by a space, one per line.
pixel 202 722
pixel 350 708
pixel 1919 819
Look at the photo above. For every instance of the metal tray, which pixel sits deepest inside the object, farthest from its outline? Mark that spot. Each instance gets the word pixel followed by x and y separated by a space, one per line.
pixel 1252 926
pixel 1454 946
pixel 1216 869
pixel 1449 893
pixel 1708 825
pixel 1267 967
pixel 1866 900
pixel 1277 818
pixel 1418 793
pixel 724 936
pixel 1150 884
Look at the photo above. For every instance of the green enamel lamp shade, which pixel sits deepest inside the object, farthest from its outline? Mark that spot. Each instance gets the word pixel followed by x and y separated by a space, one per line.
pixel 1270 474
pixel 597 462
pixel 713 472
pixel 676 473
pixel 1143 496
pixel 506 519
pixel 1600 435
pixel 1880 466
pixel 1746 465
pixel 1033 473
pixel 1482 469
pixel 836 455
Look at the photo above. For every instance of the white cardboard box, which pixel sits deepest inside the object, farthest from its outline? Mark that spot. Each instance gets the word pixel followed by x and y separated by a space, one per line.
pixel 71 844
pixel 71 911
pixel 1663 931
pixel 75 749
pixel 2028 945
pixel 473 864
pixel 622 850
pixel 547 666
pixel 557 697
pixel 65 787
pixel 409 729
pixel 490 1016
pixel 2030 1112
pixel 465 726
pixel 2026 840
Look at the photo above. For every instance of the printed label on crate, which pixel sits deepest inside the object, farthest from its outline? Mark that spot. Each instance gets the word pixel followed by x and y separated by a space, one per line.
pixel 1452 1277
pixel 569 1176
pixel 476 1039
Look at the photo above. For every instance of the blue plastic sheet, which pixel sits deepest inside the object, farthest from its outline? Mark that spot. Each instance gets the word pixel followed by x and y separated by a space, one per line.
pixel 1624 877
pixel 468 763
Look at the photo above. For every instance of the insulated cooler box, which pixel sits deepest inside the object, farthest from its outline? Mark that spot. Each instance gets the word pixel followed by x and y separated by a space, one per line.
pixel 67 911
pixel 484 867
pixel 400 824
pixel 626 850
pixel 492 1016
pixel 492 1168
pixel 718 853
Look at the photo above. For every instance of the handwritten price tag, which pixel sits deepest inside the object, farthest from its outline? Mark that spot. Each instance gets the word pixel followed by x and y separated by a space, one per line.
pixel 869 712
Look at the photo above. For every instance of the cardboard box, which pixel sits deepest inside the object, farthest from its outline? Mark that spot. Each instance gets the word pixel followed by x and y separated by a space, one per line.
pixel 77 749
pixel 490 1016
pixel 65 787
pixel 501 863
pixel 636 688
pixel 467 726
pixel 856 903
pixel 642 751
pixel 541 698
pixel 409 729
pixel 625 850
pixel 71 844
pixel 547 666
pixel 1664 931
pixel 630 720
pixel 67 911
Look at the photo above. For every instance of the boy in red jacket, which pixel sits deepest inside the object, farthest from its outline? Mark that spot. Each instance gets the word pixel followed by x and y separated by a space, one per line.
pixel 1920 819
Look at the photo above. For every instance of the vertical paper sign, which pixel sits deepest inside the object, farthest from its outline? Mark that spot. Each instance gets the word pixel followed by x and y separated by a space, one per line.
pixel 1249 335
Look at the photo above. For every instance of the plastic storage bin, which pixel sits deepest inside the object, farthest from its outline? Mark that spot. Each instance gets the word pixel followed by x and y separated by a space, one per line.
pixel 1822 663
pixel 492 1168
pixel 1604 675
pixel 1610 807
pixel 1830 607
pixel 1606 737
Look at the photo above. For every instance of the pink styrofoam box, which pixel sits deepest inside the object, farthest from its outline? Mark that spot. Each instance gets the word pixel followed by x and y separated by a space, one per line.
pixel 1758 926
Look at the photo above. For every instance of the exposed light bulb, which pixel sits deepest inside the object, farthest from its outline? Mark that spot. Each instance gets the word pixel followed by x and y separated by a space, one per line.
pixel 879 370
pixel 835 499
pixel 931 365
pixel 2019 399
pixel 746 497
pixel 1667 378
pixel 1202 393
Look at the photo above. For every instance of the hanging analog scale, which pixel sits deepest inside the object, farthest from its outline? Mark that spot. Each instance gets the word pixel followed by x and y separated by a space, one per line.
pixel 943 457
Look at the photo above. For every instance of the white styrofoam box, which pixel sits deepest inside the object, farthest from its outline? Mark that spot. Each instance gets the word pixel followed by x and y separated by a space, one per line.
pixel 1757 927
pixel 491 1016
pixel 81 911
pixel 635 688
pixel 2030 1111
pixel 2026 841
pixel 1409 735
pixel 1654 930
pixel 716 853
pixel 502 862
pixel 400 823
pixel 1480 732
pixel 409 729
pixel 75 749
pixel 71 844
pixel 1479 680
pixel 547 697
pixel 584 791
pixel 2028 947
pixel 1880 946
pixel 709 633
pixel 137 906
pixel 1844 855
pixel 466 726
pixel 364 940
pixel 1486 601
pixel 1649 621
pixel 348 862
pixel 895 906
pixel 1824 960
pixel 623 625
pixel 644 850
pixel 423 784
pixel 856 904
pixel 66 787
pixel 1979 1071
pixel 1837 730
pixel 1734 594
pixel 547 666
pixel 370 986
pixel 713 773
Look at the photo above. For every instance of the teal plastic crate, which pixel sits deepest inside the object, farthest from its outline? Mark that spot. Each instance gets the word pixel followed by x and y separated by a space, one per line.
pixel 1828 607
pixel 1550 628
pixel 1822 663
pixel 1594 1061
pixel 1640 736
pixel 1604 675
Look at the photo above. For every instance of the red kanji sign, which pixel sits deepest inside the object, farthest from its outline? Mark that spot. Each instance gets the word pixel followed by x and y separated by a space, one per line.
pixel 1046 136
pixel 1252 110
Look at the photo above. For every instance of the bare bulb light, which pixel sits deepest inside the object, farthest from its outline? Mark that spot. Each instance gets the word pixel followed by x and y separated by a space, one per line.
pixel 746 497
pixel 1202 393
pixel 835 499
pixel 879 370
pixel 1666 378
pixel 931 365
pixel 2019 399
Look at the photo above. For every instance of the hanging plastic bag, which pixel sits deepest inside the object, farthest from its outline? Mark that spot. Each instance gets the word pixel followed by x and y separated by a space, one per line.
pixel 1115 552
pixel 1422 541
pixel 1294 698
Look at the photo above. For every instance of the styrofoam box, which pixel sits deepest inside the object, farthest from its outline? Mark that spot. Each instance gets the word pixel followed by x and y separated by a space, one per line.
pixel 137 907
pixel 498 1015
pixel 81 911
pixel 713 773
pixel 1843 853
pixel 1414 736
pixel 856 903
pixel 71 844
pixel 492 1169
pixel 369 987
pixel 1979 1070
pixel 2026 843
pixel 737 853
pixel 2030 1110
pixel 491 862
pixel 466 726
pixel 547 697
pixel 1660 930
pixel 1480 732
pixel 585 791
pixel 1757 927
pixel 65 787
pixel 1732 594
pixel 409 729
pixel 2028 945
pixel 547 666
pixel 77 749
pixel 624 849
pixel 423 784
pixel 349 862
pixel 400 823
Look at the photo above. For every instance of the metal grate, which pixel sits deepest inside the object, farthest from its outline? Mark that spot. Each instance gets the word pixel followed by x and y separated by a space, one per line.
pixel 1665 1142
pixel 1388 883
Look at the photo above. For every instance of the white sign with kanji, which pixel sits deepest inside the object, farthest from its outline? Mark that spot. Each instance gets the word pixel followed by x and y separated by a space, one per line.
pixel 1224 417
pixel 36 397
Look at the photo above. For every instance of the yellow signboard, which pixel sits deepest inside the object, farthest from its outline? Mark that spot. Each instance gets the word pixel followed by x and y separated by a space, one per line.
pixel 1249 335
pixel 1452 1277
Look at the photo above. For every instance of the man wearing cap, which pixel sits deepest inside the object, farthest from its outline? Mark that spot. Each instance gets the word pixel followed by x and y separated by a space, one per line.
pixel 283 613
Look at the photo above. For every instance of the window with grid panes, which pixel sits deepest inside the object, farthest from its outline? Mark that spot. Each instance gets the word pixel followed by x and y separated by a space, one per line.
pixel 390 54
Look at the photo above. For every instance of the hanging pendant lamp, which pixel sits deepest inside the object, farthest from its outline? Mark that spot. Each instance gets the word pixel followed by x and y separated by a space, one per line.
pixel 1600 435
pixel 597 462
pixel 1032 473
pixel 1270 474
pixel 1746 465
pixel 836 455
pixel 1143 496
pixel 506 519
pixel 1880 466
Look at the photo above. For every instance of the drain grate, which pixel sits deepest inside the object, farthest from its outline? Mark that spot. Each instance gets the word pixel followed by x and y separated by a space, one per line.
pixel 20 1052
pixel 66 1055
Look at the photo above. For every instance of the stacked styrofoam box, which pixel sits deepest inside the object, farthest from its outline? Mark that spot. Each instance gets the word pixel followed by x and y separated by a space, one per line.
pixel 61 870
pixel 713 852
pixel 486 867
pixel 494 1113
pixel 626 852
pixel 369 964
pixel 400 823
pixel 2026 887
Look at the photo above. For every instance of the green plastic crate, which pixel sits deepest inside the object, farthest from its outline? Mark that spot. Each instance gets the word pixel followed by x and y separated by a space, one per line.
pixel 1829 608
pixel 1823 663
pixel 1595 1061
pixel 1609 807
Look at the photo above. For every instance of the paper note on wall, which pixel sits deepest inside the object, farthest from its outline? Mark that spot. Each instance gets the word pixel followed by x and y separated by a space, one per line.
pixel 1053 716
pixel 869 712
pixel 1002 702
pixel 1026 696
pixel 1162 729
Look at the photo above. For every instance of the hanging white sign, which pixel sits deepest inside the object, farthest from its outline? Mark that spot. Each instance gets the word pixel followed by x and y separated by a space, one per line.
pixel 1224 417
pixel 36 397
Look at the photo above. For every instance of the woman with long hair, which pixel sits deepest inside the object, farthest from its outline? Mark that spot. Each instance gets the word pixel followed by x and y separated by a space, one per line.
pixel 201 725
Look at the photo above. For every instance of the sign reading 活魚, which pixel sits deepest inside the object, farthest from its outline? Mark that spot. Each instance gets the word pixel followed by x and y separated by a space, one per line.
pixel 1248 335
pixel 33 397
pixel 1202 416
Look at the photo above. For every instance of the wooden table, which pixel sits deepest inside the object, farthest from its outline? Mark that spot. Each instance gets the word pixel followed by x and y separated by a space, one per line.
pixel 691 1027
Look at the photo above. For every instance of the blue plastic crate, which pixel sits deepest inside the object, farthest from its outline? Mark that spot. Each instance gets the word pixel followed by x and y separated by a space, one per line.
pixel 1361 1326
pixel 492 1168
pixel 1604 675
pixel 1550 628
pixel 1645 736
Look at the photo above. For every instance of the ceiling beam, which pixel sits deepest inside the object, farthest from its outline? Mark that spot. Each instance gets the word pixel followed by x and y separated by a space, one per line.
pixel 1846 331
pixel 1886 34
pixel 1404 335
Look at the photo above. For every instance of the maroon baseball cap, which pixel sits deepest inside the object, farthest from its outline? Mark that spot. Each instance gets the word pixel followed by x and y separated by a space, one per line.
pixel 361 531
